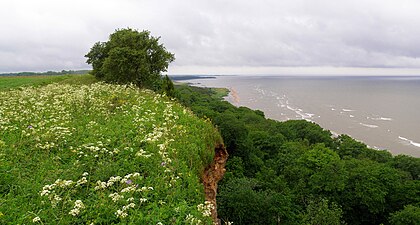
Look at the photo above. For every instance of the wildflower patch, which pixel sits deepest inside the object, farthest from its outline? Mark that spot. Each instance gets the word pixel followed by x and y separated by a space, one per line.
pixel 101 154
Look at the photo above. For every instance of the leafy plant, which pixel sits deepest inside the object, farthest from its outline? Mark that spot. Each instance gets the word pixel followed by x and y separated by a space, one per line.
pixel 130 56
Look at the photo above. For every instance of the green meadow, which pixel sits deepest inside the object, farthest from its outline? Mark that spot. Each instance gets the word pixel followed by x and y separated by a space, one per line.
pixel 10 82
pixel 77 151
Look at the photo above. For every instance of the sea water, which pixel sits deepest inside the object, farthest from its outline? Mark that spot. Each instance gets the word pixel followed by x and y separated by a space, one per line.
pixel 383 112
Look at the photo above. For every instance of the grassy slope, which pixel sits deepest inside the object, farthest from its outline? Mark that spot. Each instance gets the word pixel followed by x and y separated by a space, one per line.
pixel 7 83
pixel 129 156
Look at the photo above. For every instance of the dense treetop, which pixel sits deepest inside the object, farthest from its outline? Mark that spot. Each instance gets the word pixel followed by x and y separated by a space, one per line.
pixel 130 56
pixel 295 172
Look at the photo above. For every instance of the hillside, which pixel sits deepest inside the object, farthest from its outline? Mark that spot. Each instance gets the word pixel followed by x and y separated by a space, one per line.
pixel 295 172
pixel 101 154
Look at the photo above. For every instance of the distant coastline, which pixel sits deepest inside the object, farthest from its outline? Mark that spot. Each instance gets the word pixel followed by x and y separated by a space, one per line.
pixel 190 77
pixel 48 73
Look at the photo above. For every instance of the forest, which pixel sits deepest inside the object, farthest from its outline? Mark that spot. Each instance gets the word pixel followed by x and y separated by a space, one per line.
pixel 296 172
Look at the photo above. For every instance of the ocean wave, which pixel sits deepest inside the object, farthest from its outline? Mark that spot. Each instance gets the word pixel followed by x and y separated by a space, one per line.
pixel 409 141
pixel 300 113
pixel 290 108
pixel 368 125
pixel 382 118
pixel 348 110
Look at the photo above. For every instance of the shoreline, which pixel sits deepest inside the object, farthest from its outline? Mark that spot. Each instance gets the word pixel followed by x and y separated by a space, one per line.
pixel 394 145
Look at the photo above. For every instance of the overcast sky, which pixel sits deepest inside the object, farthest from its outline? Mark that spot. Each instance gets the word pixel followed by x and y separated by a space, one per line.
pixel 221 36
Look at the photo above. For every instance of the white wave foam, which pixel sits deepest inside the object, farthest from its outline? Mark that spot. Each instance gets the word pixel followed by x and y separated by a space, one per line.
pixel 368 125
pixel 348 110
pixel 351 116
pixel 300 113
pixel 403 138
pixel 409 141
pixel 382 118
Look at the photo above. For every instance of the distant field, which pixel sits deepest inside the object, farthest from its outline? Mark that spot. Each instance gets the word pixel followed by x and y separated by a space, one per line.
pixel 9 82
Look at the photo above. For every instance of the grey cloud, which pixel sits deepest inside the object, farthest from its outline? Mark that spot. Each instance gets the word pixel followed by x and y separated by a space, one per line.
pixel 45 35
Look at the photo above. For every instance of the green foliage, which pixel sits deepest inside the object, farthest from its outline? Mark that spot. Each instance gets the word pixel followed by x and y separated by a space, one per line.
pixel 294 172
pixel 168 87
pixel 102 154
pixel 410 215
pixel 407 163
pixel 322 171
pixel 370 185
pixel 347 147
pixel 321 212
pixel 232 130
pixel 7 83
pixel 130 56
pixel 242 200
pixel 303 130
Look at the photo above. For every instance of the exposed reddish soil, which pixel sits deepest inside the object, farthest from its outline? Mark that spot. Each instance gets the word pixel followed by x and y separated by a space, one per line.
pixel 212 174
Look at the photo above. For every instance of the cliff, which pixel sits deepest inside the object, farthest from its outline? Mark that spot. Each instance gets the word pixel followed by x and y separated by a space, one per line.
pixel 212 175
pixel 104 154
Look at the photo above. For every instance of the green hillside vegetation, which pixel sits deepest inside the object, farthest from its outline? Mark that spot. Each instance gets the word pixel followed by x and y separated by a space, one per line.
pixel 9 82
pixel 295 172
pixel 98 153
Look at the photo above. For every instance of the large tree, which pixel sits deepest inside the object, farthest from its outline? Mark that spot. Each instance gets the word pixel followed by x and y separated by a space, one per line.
pixel 130 56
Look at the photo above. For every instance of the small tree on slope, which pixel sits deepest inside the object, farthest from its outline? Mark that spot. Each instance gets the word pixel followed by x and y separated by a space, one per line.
pixel 130 56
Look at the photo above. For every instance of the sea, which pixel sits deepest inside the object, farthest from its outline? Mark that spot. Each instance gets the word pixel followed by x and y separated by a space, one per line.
pixel 381 111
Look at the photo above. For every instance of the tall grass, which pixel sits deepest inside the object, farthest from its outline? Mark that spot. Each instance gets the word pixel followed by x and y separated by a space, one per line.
pixel 10 82
pixel 101 154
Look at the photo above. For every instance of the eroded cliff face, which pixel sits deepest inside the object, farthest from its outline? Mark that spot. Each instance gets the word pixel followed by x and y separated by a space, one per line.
pixel 212 174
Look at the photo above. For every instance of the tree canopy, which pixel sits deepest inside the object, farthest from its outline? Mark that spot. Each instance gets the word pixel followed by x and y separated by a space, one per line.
pixel 130 56
pixel 295 172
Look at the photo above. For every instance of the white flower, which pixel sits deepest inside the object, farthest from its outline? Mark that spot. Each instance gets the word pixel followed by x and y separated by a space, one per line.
pixel 206 208
pixel 63 183
pixel 83 180
pixel 36 219
pixel 100 185
pixel 45 192
pixel 129 189
pixel 74 212
pixel 131 205
pixel 121 213
pixel 136 174
pixel 57 198
pixel 115 197
pixel 78 204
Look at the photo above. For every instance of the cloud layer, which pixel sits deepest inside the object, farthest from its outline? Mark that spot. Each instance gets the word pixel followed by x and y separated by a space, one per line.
pixel 55 35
